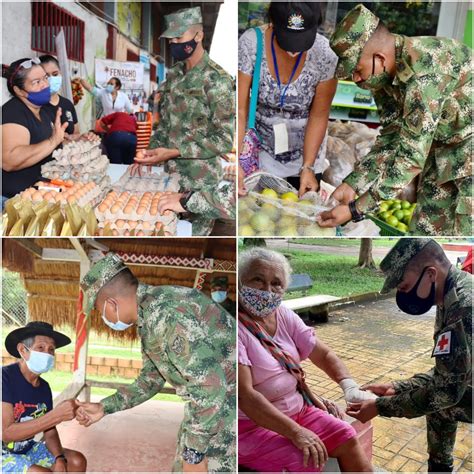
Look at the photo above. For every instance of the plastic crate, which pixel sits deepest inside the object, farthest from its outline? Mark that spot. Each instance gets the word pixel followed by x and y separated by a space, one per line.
pixel 386 230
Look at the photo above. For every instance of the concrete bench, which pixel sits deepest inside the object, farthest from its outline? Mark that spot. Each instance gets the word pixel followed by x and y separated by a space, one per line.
pixel 300 282
pixel 314 307
pixel 364 435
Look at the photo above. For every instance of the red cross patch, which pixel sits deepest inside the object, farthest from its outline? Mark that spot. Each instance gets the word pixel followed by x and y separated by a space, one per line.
pixel 443 344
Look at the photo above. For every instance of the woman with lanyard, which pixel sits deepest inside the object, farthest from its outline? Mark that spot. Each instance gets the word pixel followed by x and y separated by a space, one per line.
pixel 112 98
pixel 296 89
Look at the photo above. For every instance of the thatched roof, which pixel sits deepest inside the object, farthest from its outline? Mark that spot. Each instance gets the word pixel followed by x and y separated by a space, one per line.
pixel 53 286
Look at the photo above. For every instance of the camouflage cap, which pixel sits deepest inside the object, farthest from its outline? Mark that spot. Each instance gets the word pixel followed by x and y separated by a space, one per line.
pixel 395 262
pixel 100 274
pixel 222 281
pixel 178 23
pixel 350 37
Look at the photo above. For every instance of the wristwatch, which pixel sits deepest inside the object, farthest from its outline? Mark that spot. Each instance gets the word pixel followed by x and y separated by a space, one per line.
pixel 306 167
pixel 183 200
pixel 355 214
pixel 60 456
pixel 191 456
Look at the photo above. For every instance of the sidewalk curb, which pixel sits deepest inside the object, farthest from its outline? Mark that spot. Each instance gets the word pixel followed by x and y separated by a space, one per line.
pixel 362 298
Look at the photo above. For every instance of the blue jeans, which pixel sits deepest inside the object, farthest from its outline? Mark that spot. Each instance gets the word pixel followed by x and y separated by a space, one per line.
pixel 121 147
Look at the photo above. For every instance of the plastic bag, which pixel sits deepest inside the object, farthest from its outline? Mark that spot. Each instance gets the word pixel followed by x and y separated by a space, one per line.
pixel 272 208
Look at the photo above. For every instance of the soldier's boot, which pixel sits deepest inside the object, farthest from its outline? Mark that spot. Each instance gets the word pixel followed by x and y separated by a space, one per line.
pixel 441 434
pixel 434 466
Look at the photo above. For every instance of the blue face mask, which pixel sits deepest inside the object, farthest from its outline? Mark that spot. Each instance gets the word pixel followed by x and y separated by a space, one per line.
pixel 41 97
pixel 39 362
pixel 218 296
pixel 119 325
pixel 110 88
pixel 55 83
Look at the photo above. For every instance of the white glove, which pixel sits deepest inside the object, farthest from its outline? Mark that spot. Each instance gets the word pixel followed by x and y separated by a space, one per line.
pixel 353 394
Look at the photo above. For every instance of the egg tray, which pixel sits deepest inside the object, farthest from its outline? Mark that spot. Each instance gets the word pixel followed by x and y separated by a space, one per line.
pixel 157 182
pixel 78 153
pixel 139 228
pixel 92 197
pixel 90 172
pixel 131 208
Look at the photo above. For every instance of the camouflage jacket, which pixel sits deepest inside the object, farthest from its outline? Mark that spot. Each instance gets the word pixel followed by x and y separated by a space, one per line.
pixel 427 106
pixel 215 204
pixel 197 118
pixel 446 383
pixel 188 341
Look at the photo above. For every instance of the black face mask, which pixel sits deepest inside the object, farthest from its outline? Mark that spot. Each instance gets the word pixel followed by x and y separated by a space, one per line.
pixel 182 51
pixel 411 303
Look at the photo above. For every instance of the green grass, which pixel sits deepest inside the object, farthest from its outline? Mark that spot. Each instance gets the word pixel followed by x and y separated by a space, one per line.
pixel 58 381
pixel 340 242
pixel 333 275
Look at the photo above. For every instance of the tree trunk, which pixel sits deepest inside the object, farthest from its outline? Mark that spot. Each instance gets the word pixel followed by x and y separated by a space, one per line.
pixel 365 254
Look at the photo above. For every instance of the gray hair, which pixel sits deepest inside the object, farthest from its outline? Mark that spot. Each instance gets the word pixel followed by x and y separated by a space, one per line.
pixel 248 257
pixel 29 341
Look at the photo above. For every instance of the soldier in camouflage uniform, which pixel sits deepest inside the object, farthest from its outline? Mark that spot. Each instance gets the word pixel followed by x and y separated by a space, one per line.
pixel 204 204
pixel 188 341
pixel 219 287
pixel 197 112
pixel 418 267
pixel 423 90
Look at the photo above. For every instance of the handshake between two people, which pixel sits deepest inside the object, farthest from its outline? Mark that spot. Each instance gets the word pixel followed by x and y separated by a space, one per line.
pixel 86 413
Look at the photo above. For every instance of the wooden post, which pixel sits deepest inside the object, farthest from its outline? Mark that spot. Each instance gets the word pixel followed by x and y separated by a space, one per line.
pixel 82 326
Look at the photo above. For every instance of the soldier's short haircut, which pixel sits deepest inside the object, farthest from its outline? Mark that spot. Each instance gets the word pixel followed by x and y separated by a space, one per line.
pixel 124 282
pixel 196 28
pixel 377 38
pixel 431 254
pixel 248 257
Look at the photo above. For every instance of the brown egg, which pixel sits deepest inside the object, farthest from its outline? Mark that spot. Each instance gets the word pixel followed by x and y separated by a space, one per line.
pixel 115 233
pixel 141 210
pixel 158 226
pixel 115 208
pixel 126 233
pixel 102 207
pixel 71 199
pixel 140 233
pixel 147 225
pixel 154 210
pixel 119 223
pixel 69 182
pixel 37 196
pixel 128 209
pixel 48 196
pixel 132 224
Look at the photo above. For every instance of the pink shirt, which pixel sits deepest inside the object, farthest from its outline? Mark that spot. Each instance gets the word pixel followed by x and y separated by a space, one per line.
pixel 269 378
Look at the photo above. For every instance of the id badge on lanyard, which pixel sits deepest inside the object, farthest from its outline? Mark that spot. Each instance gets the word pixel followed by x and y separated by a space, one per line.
pixel 280 130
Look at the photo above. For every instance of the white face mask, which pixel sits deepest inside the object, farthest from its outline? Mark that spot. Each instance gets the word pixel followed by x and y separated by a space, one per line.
pixel 119 325
pixel 39 362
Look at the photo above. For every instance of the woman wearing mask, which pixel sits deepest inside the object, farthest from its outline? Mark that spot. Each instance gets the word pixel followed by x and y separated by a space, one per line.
pixel 111 98
pixel 27 405
pixel 30 132
pixel 51 66
pixel 283 427
pixel 296 89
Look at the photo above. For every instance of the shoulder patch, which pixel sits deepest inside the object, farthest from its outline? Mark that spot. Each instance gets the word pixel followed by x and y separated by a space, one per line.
pixel 219 69
pixel 443 344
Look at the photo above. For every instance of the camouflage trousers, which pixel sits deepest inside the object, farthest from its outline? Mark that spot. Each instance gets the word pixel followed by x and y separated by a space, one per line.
pixel 444 194
pixel 200 175
pixel 442 427
pixel 221 453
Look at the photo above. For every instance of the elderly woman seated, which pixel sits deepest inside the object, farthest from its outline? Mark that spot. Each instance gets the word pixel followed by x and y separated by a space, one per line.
pixel 282 425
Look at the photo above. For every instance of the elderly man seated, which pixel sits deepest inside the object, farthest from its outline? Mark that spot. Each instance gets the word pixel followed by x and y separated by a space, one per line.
pixel 27 405
pixel 283 427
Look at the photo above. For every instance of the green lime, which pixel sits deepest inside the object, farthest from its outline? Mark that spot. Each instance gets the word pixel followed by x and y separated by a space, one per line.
pixel 399 214
pixel 406 205
pixel 407 212
pixel 383 207
pixel 393 221
pixel 385 215
pixel 395 206
pixel 402 227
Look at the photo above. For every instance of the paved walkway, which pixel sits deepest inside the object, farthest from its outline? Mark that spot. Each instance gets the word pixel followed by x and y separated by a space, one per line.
pixel 380 343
